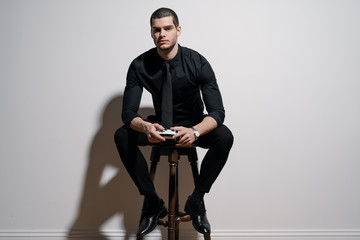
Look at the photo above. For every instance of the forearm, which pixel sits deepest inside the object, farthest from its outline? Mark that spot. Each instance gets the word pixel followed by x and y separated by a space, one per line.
pixel 140 125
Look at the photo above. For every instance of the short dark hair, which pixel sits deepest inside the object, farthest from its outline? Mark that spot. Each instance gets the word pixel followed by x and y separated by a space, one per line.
pixel 165 12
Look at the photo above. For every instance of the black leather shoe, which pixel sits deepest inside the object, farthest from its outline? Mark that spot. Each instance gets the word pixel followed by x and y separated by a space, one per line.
pixel 149 218
pixel 197 212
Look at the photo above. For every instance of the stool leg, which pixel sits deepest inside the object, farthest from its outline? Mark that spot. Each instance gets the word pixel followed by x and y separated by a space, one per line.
pixel 173 162
pixel 207 237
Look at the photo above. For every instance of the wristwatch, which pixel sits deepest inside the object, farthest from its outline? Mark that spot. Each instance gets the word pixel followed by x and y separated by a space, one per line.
pixel 196 133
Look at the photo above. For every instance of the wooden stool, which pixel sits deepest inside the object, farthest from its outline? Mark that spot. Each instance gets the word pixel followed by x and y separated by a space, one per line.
pixel 174 152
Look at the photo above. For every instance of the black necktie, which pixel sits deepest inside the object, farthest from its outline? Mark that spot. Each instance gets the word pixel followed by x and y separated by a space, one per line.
pixel 166 102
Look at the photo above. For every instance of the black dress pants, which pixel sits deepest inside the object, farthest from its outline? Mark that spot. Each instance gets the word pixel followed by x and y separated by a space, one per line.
pixel 218 142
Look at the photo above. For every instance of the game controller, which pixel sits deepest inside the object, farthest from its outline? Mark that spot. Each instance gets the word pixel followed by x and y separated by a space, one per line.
pixel 167 133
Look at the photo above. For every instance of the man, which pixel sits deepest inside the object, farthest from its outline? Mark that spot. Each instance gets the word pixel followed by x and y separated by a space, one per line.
pixel 193 85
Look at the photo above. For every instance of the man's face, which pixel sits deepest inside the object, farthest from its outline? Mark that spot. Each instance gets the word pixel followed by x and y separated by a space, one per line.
pixel 164 33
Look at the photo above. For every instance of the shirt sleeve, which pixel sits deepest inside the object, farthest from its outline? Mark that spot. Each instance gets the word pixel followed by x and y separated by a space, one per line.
pixel 211 93
pixel 132 96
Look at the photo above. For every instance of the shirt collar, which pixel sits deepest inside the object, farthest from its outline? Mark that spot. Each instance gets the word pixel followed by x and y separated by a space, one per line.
pixel 176 59
pixel 173 62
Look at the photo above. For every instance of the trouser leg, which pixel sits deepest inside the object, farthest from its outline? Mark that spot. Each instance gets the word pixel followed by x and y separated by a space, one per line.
pixel 219 142
pixel 127 142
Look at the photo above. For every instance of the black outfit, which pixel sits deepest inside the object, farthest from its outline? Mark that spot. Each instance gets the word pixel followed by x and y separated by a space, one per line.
pixel 193 83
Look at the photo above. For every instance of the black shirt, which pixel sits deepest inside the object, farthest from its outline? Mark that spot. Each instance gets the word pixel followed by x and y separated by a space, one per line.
pixel 193 82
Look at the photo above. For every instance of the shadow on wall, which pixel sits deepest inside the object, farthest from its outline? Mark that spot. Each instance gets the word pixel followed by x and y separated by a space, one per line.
pixel 103 196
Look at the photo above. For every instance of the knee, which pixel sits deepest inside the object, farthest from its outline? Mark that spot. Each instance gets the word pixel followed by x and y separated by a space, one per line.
pixel 120 134
pixel 227 139
pixel 222 138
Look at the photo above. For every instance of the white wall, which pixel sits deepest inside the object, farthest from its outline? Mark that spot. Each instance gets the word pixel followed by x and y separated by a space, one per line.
pixel 289 75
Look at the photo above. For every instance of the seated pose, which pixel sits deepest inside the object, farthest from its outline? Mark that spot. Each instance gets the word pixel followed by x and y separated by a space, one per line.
pixel 192 85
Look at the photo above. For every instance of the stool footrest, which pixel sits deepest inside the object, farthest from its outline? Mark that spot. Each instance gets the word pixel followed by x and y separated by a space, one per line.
pixel 162 222
pixel 183 217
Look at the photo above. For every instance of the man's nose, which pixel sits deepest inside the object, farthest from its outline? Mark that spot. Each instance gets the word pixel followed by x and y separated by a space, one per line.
pixel 162 32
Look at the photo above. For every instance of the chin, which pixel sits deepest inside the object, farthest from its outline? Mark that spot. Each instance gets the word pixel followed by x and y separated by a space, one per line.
pixel 163 46
pixel 166 47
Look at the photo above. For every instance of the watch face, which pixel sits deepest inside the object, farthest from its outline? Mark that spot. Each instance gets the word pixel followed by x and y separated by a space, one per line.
pixel 196 132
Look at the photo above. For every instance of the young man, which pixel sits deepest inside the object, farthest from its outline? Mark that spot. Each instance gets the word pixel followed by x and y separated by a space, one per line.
pixel 193 86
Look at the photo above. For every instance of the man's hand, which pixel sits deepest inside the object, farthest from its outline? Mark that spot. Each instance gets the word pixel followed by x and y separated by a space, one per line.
pixel 151 133
pixel 186 135
pixel 149 129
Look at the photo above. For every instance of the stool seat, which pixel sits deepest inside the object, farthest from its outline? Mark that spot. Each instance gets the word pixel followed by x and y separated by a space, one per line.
pixel 174 151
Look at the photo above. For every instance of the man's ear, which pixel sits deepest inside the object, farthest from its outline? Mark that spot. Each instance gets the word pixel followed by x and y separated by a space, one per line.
pixel 178 31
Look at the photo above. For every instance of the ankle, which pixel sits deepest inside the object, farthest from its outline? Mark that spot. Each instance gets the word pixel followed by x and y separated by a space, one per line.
pixel 197 195
pixel 152 199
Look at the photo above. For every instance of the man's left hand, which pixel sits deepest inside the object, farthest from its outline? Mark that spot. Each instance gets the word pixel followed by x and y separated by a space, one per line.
pixel 185 135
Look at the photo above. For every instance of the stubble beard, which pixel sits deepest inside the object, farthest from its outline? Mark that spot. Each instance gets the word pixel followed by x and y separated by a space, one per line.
pixel 166 49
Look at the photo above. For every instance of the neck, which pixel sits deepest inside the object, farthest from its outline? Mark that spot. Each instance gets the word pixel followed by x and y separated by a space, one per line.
pixel 168 54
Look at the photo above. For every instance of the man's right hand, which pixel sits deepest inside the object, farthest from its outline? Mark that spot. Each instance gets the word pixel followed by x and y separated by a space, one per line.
pixel 150 129
pixel 153 135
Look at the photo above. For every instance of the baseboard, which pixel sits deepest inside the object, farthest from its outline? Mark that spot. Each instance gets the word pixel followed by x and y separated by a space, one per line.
pixel 288 234
pixel 281 234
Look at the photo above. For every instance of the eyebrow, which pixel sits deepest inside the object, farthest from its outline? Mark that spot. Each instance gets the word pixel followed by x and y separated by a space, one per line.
pixel 167 26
